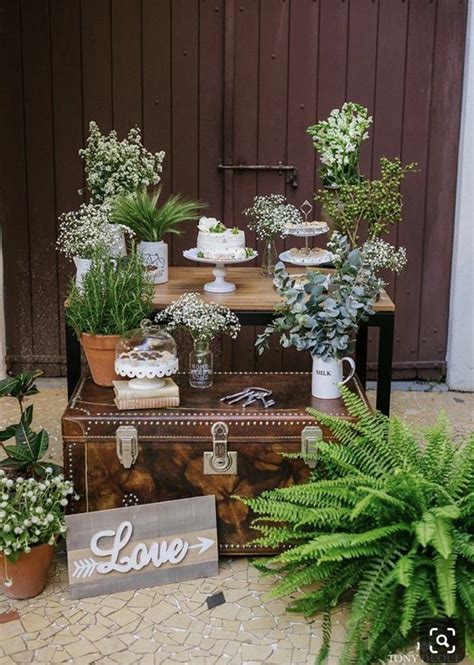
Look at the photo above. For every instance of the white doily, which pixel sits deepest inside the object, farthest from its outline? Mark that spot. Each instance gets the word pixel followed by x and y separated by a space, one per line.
pixel 143 369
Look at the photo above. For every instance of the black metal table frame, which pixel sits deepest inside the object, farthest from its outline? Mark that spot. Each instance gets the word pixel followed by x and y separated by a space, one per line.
pixel 385 321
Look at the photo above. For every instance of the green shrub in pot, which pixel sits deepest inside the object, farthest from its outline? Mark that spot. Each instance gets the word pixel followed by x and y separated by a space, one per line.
pixel 115 296
pixel 383 521
pixel 150 223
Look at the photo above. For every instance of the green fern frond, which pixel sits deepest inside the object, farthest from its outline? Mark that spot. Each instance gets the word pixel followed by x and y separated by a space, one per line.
pixel 446 582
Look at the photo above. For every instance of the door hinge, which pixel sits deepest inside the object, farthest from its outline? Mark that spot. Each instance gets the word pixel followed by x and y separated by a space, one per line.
pixel 220 460
pixel 127 445
pixel 309 438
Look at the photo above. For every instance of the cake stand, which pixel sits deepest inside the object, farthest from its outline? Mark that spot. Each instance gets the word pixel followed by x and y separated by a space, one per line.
pixel 219 285
pixel 286 257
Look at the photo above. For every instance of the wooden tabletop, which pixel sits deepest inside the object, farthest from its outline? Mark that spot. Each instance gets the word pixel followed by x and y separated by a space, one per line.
pixel 255 293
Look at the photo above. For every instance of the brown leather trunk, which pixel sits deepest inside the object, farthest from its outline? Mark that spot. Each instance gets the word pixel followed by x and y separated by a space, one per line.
pixel 183 452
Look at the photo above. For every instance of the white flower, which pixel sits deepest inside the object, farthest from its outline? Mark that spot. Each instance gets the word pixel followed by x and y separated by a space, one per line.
pixel 7 528
pixel 48 470
pixel 207 223
pixel 270 216
pixel 18 530
pixel 9 483
pixel 63 502
pixel 2 514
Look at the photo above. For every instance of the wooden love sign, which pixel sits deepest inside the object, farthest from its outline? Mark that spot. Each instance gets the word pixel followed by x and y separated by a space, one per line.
pixel 141 546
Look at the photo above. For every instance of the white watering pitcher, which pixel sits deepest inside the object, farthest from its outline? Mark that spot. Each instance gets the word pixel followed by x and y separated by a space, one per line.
pixel 327 376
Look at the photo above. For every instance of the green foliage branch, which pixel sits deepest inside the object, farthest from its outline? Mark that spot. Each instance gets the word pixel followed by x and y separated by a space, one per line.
pixel 383 521
pixel 114 297
pixel 140 213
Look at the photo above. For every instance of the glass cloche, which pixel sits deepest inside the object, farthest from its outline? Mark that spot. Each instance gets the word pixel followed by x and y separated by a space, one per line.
pixel 146 355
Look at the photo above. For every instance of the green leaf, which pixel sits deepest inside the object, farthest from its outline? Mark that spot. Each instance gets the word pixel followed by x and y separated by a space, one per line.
pixel 8 433
pixel 442 537
pixel 41 444
pixel 25 437
pixel 11 464
pixel 28 415
pixel 17 453
pixel 446 582
pixel 7 385
pixel 425 529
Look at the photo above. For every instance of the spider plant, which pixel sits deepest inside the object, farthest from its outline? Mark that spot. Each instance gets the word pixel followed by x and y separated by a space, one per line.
pixel 150 222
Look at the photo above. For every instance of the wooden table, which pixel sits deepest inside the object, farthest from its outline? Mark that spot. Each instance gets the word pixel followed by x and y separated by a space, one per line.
pixel 254 302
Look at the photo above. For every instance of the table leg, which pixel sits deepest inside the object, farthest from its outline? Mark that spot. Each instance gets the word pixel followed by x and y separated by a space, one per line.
pixel 386 322
pixel 73 360
pixel 361 354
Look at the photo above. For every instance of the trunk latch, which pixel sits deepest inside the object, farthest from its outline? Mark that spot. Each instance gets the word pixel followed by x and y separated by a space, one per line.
pixel 309 438
pixel 220 460
pixel 127 445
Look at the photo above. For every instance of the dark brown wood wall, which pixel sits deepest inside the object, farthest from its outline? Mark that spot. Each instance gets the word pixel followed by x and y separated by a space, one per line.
pixel 237 81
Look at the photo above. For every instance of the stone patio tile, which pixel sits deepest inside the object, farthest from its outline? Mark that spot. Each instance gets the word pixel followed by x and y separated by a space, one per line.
pixel 13 645
pixel 23 657
pixel 256 653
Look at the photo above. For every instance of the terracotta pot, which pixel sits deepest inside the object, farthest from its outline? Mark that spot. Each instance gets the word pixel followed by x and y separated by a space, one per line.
pixel 100 354
pixel 28 575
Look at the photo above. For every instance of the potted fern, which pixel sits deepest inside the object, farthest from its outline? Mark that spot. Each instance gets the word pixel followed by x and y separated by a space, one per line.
pixel 383 521
pixel 115 296
pixel 150 223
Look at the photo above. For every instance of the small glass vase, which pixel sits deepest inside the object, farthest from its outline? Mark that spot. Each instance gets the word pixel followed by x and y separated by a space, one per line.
pixel 269 258
pixel 200 365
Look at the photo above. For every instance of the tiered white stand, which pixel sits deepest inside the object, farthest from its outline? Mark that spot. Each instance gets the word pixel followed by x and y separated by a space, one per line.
pixel 219 285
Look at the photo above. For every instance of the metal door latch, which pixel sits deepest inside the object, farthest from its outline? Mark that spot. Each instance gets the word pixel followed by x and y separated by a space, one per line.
pixel 220 460
pixel 309 437
pixel 127 445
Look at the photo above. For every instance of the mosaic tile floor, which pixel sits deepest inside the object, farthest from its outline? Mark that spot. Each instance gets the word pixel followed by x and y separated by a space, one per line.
pixel 172 624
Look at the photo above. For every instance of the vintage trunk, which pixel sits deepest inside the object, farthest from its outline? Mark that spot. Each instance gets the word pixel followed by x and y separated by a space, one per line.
pixel 204 446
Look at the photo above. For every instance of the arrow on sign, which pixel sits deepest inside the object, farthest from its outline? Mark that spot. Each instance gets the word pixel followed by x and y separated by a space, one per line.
pixel 204 544
pixel 84 567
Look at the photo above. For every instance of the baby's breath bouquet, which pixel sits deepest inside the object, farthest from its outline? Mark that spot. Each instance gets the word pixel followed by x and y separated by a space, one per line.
pixel 82 231
pixel 338 140
pixel 116 167
pixel 31 512
pixel 202 320
pixel 269 216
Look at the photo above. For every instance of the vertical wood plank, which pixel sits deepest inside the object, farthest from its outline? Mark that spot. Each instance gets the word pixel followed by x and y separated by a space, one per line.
pixel 96 63
pixel 127 68
pixel 272 119
pixel 388 108
pixel 211 98
pixel 13 193
pixel 157 120
pixel 443 152
pixel 39 128
pixel 245 133
pixel 361 64
pixel 407 294
pixel 302 87
pixel 185 106
pixel 68 123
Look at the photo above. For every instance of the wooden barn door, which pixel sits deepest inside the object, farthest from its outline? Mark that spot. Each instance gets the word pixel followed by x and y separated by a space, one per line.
pixel 226 82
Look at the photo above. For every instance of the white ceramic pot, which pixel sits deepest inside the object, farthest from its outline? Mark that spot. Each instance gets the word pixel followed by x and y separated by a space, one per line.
pixel 327 377
pixel 82 267
pixel 118 247
pixel 155 258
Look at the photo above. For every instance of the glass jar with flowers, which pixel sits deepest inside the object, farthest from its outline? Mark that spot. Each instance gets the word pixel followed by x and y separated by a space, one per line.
pixel 269 217
pixel 323 316
pixel 204 321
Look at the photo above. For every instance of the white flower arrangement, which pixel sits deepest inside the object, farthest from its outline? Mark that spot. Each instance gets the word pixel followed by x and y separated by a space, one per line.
pixel 270 215
pixel 338 140
pixel 82 231
pixel 378 254
pixel 201 319
pixel 116 167
pixel 208 223
pixel 32 512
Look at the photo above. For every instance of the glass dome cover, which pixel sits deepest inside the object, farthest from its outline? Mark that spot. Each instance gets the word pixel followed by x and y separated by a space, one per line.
pixel 146 355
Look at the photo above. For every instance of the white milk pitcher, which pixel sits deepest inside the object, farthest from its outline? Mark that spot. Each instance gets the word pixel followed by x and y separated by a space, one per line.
pixel 327 376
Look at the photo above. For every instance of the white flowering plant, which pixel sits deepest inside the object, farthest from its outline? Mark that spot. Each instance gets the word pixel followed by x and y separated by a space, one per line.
pixel 32 511
pixel 269 216
pixel 378 254
pixel 338 140
pixel 201 319
pixel 115 167
pixel 82 231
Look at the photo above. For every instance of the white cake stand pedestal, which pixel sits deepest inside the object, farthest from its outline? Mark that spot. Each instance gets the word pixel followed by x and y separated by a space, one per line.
pixel 219 285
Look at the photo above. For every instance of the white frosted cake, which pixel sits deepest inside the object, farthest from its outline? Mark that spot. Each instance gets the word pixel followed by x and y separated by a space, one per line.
pixel 215 241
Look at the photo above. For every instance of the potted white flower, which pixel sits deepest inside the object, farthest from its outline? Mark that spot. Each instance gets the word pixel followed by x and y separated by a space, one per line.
pixel 82 231
pixel 141 214
pixel 33 498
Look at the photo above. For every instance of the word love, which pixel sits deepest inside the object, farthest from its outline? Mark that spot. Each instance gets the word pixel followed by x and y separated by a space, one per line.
pixel 142 555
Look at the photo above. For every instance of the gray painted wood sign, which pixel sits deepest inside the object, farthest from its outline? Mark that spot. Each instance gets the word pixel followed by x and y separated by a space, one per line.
pixel 141 546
